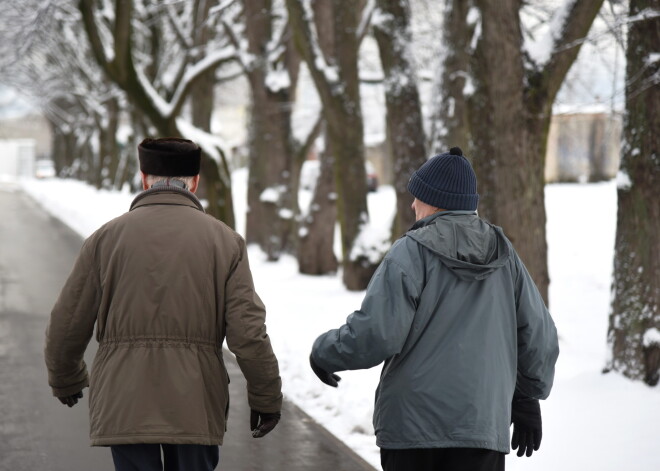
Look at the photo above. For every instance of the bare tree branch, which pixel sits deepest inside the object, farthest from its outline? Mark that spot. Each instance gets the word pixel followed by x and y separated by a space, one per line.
pixel 305 37
pixel 577 23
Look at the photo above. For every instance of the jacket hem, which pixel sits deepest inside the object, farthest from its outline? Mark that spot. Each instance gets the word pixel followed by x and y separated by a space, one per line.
pixel 444 444
pixel 130 439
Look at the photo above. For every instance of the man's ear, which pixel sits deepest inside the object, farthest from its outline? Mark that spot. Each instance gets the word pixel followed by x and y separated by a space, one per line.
pixel 145 185
pixel 195 184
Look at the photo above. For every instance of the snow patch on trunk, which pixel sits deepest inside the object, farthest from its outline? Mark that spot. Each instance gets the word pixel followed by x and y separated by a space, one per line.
pixel 623 181
pixel 651 338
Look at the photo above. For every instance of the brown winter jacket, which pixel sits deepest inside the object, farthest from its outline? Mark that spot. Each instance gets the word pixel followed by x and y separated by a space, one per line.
pixel 165 285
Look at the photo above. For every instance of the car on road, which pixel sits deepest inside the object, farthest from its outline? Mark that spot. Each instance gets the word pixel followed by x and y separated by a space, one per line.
pixel 44 169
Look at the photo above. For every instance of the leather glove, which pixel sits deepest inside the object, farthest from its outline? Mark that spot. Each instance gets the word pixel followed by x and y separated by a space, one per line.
pixel 330 379
pixel 263 422
pixel 527 428
pixel 71 400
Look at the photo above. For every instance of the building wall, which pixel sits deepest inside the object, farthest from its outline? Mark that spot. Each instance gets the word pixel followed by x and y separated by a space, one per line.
pixel 32 126
pixel 583 147
pixel 17 158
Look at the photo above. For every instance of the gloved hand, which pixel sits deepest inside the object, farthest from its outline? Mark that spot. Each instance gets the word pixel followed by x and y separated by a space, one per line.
pixel 263 422
pixel 71 400
pixel 527 428
pixel 330 379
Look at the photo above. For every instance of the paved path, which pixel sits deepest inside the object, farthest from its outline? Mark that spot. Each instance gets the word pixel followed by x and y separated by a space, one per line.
pixel 38 433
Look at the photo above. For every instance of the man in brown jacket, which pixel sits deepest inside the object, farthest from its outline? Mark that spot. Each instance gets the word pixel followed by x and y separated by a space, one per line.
pixel 165 284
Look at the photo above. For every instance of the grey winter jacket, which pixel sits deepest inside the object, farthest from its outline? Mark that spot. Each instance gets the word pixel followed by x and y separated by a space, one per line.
pixel 460 325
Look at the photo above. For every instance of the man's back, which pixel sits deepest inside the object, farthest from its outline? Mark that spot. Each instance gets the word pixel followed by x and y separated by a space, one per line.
pixel 453 379
pixel 462 330
pixel 167 283
pixel 160 266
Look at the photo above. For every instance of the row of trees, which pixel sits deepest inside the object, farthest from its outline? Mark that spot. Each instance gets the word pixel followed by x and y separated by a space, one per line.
pixel 157 65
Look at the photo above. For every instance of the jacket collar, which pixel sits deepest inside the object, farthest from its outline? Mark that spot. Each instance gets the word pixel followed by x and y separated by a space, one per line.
pixel 429 219
pixel 172 195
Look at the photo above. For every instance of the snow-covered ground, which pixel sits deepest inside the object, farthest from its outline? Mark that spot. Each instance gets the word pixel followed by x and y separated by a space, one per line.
pixel 591 421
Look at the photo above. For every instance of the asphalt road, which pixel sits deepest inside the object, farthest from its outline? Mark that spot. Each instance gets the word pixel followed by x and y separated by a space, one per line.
pixel 38 433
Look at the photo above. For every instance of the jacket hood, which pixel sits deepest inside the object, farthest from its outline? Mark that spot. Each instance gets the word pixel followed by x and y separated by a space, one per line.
pixel 470 247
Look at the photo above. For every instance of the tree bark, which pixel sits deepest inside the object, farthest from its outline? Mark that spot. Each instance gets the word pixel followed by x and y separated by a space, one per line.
pixel 404 116
pixel 450 126
pixel 110 155
pixel 317 230
pixel 510 113
pixel 508 182
pixel 270 218
pixel 634 327
pixel 340 97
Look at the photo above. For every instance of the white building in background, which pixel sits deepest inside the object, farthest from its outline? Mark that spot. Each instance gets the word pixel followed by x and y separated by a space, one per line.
pixel 17 158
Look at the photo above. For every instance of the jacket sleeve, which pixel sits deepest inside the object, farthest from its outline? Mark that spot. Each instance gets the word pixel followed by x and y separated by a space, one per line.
pixel 538 346
pixel 245 317
pixel 71 327
pixel 380 328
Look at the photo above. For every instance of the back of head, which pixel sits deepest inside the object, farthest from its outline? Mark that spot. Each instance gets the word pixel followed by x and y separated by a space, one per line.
pixel 446 181
pixel 169 157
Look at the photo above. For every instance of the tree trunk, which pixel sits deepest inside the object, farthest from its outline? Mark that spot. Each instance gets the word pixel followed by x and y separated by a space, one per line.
pixel 404 117
pixel 450 125
pixel 505 153
pixel 270 218
pixel 502 116
pixel 338 89
pixel 634 330
pixel 346 133
pixel 316 234
pixel 111 156
pixel 317 230
pixel 63 145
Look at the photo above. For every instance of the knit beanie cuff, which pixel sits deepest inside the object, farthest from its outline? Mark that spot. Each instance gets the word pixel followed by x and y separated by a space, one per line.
pixel 441 199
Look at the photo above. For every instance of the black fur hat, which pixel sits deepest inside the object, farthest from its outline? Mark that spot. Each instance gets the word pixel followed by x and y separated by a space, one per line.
pixel 169 157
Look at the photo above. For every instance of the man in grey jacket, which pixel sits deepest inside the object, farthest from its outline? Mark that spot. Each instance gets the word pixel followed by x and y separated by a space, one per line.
pixel 468 344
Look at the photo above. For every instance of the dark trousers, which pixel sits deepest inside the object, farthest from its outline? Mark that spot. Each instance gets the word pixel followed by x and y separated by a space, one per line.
pixel 147 457
pixel 441 459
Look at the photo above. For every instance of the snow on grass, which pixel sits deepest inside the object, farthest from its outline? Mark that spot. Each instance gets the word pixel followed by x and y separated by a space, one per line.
pixel 591 420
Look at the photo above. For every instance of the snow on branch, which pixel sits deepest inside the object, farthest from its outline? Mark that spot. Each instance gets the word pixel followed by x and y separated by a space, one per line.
pixel 646 14
pixel 541 50
pixel 569 27
pixel 365 20
pixel 181 35
pixel 245 58
pixel 302 14
pixel 212 145
pixel 168 109
pixel 220 7
pixel 329 72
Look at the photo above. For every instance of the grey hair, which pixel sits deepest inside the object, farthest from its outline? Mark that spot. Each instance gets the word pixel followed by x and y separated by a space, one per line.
pixel 153 179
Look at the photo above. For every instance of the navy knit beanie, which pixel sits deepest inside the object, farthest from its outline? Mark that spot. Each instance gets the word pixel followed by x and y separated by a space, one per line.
pixel 446 181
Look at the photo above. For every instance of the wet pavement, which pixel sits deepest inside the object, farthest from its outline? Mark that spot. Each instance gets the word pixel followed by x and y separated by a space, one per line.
pixel 38 433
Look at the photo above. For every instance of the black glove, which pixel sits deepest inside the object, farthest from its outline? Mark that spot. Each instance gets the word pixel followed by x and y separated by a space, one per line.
pixel 71 400
pixel 263 422
pixel 527 428
pixel 330 379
